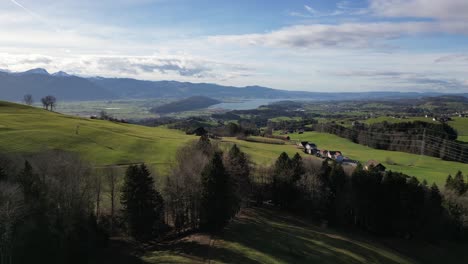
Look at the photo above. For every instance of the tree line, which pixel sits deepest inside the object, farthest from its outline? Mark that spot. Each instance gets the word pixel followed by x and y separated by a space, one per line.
pixel 51 203
pixel 436 140
pixel 384 204
pixel 49 102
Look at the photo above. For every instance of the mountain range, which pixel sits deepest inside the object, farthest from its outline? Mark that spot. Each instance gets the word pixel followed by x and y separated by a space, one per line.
pixel 66 87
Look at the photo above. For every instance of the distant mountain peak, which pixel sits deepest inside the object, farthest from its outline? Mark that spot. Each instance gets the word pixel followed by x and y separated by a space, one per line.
pixel 36 71
pixel 61 74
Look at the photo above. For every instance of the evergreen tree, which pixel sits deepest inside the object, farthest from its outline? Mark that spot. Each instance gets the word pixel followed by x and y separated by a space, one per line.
pixel 216 197
pixel 449 182
pixel 32 186
pixel 283 166
pixel 204 144
pixel 237 165
pixel 337 177
pixel 143 206
pixel 297 167
pixel 337 180
pixel 3 175
pixel 458 183
pixel 282 180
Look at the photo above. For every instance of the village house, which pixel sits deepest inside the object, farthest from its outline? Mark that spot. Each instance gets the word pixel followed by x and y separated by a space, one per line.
pixel 309 148
pixel 374 165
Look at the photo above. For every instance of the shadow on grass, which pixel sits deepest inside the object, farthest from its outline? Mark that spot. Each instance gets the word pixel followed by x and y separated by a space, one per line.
pixel 121 252
pixel 285 239
pixel 194 252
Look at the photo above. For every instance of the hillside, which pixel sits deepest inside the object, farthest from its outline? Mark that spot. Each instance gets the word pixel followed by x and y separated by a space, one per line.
pixel 270 236
pixel 191 103
pixel 424 167
pixel 26 130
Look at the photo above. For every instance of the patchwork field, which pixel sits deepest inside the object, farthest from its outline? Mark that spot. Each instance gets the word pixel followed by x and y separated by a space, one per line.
pixel 270 236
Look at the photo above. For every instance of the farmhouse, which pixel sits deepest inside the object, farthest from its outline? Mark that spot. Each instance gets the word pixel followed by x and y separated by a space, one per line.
pixel 374 165
pixel 309 148
pixel 334 155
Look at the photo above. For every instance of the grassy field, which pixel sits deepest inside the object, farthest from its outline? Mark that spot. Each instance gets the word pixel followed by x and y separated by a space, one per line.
pixel 260 153
pixel 461 125
pixel 27 130
pixel 126 109
pixel 270 236
pixel 423 167
pixel 397 120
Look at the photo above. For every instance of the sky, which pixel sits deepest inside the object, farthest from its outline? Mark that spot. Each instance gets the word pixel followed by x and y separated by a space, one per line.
pixel 308 45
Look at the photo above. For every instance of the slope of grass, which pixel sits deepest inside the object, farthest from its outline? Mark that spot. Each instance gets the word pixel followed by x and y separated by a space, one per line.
pixel 424 167
pixel 260 153
pixel 24 129
pixel 27 130
pixel 461 125
pixel 397 120
pixel 270 236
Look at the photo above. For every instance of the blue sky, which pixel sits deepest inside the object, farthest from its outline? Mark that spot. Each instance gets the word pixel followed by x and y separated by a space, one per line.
pixel 312 45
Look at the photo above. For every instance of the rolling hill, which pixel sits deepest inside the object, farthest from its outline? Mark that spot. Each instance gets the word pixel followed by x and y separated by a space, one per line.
pixel 191 103
pixel 26 129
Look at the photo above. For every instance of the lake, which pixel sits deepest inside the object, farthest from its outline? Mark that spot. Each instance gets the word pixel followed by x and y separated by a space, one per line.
pixel 248 104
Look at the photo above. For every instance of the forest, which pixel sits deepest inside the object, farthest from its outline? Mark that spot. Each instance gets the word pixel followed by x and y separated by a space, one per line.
pixel 51 204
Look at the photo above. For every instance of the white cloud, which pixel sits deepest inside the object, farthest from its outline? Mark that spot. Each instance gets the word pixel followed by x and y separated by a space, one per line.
pixel 438 9
pixel 349 35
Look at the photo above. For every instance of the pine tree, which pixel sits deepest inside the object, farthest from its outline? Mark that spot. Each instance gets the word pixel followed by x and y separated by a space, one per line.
pixel 216 198
pixel 282 177
pixel 237 165
pixel 449 182
pixel 31 184
pixel 458 183
pixel 297 167
pixel 143 206
pixel 337 178
pixel 3 175
pixel 204 144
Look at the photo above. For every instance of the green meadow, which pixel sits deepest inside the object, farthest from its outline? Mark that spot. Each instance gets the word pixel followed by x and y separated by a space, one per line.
pixel 461 125
pixel 270 236
pixel 424 167
pixel 388 119
pixel 27 130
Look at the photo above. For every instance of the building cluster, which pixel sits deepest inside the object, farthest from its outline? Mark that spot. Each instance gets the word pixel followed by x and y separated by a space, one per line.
pixel 336 155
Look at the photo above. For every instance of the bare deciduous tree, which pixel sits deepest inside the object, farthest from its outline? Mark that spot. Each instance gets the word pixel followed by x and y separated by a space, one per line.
pixel 49 102
pixel 11 212
pixel 28 99
pixel 111 181
pixel 183 188
pixel 97 192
